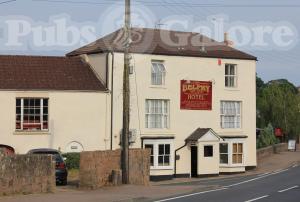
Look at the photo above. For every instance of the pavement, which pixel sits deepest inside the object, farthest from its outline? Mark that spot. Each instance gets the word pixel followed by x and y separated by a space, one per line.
pixel 177 187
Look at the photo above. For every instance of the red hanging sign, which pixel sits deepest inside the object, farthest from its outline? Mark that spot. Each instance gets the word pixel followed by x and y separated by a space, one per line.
pixel 196 95
pixel 278 132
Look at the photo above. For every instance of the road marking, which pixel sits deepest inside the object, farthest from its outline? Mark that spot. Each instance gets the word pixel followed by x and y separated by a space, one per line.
pixel 257 178
pixel 264 174
pixel 188 195
pixel 255 199
pixel 288 189
pixel 280 171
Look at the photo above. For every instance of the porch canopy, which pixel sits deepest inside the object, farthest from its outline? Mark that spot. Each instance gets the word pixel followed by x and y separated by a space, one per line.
pixel 202 134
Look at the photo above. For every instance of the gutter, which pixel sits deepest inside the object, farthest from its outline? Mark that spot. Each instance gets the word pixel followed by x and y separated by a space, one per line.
pixel 112 95
pixel 175 158
pixel 107 74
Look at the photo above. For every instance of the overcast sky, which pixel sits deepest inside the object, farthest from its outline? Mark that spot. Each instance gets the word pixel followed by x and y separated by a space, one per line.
pixel 275 60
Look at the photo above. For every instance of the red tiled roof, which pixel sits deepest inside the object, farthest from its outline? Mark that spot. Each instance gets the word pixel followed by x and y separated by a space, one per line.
pixel 47 73
pixel 159 42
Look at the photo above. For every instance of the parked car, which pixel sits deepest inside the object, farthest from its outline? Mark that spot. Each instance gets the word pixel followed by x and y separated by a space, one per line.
pixel 61 171
pixel 7 149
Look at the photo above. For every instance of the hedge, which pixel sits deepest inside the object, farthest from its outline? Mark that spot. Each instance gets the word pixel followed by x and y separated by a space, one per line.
pixel 73 160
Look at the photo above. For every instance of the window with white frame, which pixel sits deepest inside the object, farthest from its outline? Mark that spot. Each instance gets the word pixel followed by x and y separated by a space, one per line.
pixel 158 73
pixel 157 114
pixel 164 154
pixel 32 114
pixel 237 153
pixel 230 75
pixel 230 114
pixel 223 153
pixel 161 153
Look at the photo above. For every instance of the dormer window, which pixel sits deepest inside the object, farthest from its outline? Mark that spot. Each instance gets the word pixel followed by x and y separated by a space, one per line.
pixel 158 73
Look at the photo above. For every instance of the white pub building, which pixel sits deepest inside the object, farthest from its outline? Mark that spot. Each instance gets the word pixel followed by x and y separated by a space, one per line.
pixel 193 103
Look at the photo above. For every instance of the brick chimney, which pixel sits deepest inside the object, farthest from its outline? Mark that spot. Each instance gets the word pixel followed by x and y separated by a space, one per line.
pixel 227 41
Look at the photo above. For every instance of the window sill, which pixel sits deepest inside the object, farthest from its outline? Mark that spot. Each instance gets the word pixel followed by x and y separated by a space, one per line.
pixel 158 132
pixel 232 130
pixel 231 166
pixel 32 133
pixel 232 89
pixel 161 168
pixel 158 86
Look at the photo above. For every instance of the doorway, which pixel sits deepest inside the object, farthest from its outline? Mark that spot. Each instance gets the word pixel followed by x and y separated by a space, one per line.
pixel 194 161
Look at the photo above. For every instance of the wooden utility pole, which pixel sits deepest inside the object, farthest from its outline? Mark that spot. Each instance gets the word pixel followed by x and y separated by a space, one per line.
pixel 126 97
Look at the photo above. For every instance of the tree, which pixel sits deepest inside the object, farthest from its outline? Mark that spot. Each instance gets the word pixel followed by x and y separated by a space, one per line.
pixel 278 103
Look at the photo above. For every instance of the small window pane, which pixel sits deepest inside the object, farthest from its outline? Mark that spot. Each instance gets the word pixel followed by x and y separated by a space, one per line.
pixel 224 158
pixel 45 110
pixel 161 149
pixel 160 160
pixel 45 125
pixel 234 146
pixel 208 151
pixel 37 102
pixel 18 102
pixel 18 110
pixel 234 158
pixel 223 148
pixel 226 69
pixel 45 102
pixel 239 158
pixel 31 111
pixel 167 149
pixel 26 102
pixel 31 102
pixel 167 160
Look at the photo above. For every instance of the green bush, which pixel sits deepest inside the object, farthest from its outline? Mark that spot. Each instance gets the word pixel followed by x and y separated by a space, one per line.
pixel 73 160
pixel 267 137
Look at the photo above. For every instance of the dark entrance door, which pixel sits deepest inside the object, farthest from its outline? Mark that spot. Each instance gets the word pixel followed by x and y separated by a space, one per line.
pixel 194 161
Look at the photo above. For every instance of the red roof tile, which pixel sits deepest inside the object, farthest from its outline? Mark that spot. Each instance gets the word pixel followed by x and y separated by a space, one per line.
pixel 47 73
pixel 157 42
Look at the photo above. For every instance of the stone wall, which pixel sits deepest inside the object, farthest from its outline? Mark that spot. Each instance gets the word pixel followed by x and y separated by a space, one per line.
pixel 26 174
pixel 268 151
pixel 97 167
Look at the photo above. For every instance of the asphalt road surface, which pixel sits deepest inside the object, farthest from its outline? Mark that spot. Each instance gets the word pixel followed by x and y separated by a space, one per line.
pixel 278 186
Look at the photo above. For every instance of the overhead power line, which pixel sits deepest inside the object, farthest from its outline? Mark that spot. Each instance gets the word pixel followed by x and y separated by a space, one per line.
pixel 183 4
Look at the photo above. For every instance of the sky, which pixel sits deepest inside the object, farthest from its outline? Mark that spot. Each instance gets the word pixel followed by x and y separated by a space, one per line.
pixel 268 29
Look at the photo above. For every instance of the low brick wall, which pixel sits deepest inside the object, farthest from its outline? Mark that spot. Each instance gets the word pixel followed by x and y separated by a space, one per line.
pixel 26 174
pixel 96 167
pixel 268 151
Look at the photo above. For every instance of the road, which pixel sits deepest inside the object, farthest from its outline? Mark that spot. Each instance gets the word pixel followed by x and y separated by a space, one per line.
pixel 278 186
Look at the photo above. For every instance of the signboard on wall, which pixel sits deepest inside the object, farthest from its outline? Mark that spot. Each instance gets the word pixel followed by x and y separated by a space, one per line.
pixel 292 145
pixel 196 95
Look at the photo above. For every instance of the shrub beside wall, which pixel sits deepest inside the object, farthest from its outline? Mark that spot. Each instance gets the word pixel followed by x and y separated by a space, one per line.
pixel 73 160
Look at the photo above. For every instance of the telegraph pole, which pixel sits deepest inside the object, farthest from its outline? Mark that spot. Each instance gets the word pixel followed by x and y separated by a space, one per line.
pixel 126 97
